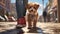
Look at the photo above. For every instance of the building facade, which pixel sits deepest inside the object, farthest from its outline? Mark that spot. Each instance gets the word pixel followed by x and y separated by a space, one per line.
pixel 8 5
pixel 52 10
pixel 54 3
pixel 5 5
pixel 13 10
pixel 2 7
pixel 58 10
pixel 54 7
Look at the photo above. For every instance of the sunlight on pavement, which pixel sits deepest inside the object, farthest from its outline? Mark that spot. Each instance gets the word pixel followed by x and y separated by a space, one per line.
pixel 47 28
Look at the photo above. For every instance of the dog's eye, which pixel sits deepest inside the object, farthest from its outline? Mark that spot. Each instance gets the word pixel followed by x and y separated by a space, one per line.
pixel 29 7
pixel 35 7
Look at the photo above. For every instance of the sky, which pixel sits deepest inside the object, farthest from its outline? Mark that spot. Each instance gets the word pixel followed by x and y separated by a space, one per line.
pixel 40 11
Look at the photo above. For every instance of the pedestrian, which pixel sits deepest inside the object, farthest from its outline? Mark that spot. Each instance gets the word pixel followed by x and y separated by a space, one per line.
pixel 44 15
pixel 21 11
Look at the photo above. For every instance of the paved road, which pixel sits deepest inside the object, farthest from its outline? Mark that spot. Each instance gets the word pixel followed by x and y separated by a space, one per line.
pixel 43 28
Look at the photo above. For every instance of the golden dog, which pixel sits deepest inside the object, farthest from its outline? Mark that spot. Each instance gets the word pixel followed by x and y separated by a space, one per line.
pixel 32 15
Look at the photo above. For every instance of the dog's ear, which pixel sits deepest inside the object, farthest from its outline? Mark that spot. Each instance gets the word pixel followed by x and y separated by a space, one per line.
pixel 37 6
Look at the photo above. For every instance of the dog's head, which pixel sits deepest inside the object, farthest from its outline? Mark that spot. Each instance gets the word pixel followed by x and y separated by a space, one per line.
pixel 32 7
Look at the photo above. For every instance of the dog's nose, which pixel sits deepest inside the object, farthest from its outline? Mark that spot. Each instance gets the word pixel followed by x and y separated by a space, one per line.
pixel 32 10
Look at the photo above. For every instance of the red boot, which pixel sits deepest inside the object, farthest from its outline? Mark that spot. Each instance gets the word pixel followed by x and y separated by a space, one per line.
pixel 21 22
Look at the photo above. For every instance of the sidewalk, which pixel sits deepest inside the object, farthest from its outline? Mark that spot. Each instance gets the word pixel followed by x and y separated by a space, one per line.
pixel 49 28
pixel 7 26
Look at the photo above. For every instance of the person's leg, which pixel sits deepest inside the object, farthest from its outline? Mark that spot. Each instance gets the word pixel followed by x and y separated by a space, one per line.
pixel 45 19
pixel 20 7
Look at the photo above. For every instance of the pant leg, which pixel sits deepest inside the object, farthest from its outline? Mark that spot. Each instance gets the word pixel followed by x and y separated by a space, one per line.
pixel 20 9
pixel 44 19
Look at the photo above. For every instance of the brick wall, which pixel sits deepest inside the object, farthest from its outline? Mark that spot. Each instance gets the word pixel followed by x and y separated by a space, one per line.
pixel 54 3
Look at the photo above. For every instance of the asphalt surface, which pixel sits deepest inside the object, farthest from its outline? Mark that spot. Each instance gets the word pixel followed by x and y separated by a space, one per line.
pixel 42 28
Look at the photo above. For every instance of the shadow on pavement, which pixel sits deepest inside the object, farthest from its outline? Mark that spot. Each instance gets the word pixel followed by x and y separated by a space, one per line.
pixel 37 30
pixel 13 31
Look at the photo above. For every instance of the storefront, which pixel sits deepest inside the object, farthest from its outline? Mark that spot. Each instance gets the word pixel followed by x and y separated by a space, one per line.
pixel 53 14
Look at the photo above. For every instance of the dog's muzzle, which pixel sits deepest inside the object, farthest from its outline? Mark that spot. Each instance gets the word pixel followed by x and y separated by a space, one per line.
pixel 32 9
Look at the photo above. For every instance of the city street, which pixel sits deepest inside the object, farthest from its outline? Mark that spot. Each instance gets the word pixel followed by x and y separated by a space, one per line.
pixel 21 11
pixel 43 28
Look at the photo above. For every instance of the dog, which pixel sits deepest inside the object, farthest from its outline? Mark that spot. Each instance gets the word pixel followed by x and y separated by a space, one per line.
pixel 32 14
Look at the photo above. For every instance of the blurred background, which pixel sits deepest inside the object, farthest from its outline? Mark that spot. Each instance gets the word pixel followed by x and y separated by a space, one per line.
pixel 48 22
pixel 8 10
